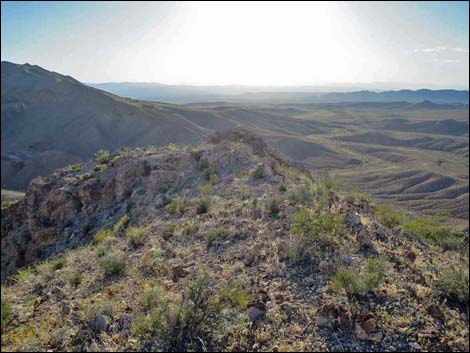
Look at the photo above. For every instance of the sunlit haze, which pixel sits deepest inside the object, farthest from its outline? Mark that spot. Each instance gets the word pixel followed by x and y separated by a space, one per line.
pixel 416 44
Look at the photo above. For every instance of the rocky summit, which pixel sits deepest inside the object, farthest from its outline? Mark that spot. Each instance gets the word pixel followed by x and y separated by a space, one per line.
pixel 223 246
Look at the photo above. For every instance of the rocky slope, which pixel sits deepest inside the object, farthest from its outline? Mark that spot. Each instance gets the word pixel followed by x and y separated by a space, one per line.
pixel 222 246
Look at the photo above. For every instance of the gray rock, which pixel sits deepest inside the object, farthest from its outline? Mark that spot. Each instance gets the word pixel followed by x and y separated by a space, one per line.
pixel 255 314
pixel 99 324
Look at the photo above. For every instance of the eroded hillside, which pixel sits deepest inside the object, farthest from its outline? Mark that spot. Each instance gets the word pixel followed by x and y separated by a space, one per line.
pixel 223 246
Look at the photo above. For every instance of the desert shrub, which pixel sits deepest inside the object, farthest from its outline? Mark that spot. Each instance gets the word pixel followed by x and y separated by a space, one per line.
pixel 177 205
pixel 101 236
pixel 455 285
pixel 113 264
pixel 168 230
pixel 430 230
pixel 272 207
pixel 258 172
pixel 56 263
pixel 75 279
pixel 387 216
pixel 205 189
pixel 282 187
pixel 103 156
pixel 356 283
pixel 196 154
pixel 213 179
pixel 202 206
pixel 151 297
pixel 101 307
pixel 99 167
pixel 121 224
pixel 217 233
pixel 374 273
pixel 208 173
pixel 316 224
pixel 84 176
pixel 234 294
pixel 181 326
pixel 24 273
pixel 135 236
pixel 359 196
pixel 348 280
pixel 5 312
pixel 189 229
pixel 7 203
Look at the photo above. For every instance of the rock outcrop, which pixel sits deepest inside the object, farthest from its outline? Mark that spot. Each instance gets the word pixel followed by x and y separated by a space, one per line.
pixel 67 208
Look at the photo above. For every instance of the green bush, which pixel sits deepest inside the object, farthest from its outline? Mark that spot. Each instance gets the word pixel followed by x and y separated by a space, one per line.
pixel 168 230
pixel 235 294
pixel 282 187
pixel 387 216
pixel 101 236
pixel 356 283
pixel 348 280
pixel 315 223
pixel 103 156
pixel 183 326
pixel 455 284
pixel 217 233
pixel 189 229
pixel 177 205
pixel 135 236
pixel 56 263
pixel 202 206
pixel 113 264
pixel 75 279
pixel 258 172
pixel 196 154
pixel 151 298
pixel 5 312
pixel 430 230
pixel 374 273
pixel 121 224
pixel 272 207
pixel 213 179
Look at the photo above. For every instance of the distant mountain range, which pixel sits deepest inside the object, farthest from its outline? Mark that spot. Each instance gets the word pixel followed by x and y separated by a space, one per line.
pixel 234 93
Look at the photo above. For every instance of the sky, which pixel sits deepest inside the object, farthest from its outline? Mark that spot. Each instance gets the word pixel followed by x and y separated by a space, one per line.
pixel 412 44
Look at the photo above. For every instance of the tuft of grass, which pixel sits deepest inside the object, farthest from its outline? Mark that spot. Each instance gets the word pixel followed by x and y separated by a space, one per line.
pixel 75 279
pixel 258 172
pixel 135 236
pixel 190 229
pixel 103 156
pixel 121 224
pixel 235 294
pixel 196 154
pixel 282 187
pixel 202 206
pixel 168 230
pixel 316 223
pixel 5 312
pixel 184 325
pixel 387 216
pixel 113 264
pixel 455 285
pixel 151 298
pixel 177 205
pixel 217 233
pixel 356 283
pixel 272 207
pixel 101 236
pixel 431 231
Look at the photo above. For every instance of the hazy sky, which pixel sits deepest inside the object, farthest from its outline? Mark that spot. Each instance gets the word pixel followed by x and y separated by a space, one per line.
pixel 417 44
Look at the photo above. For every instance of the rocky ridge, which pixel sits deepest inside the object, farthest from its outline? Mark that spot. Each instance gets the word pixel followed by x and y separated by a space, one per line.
pixel 219 246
